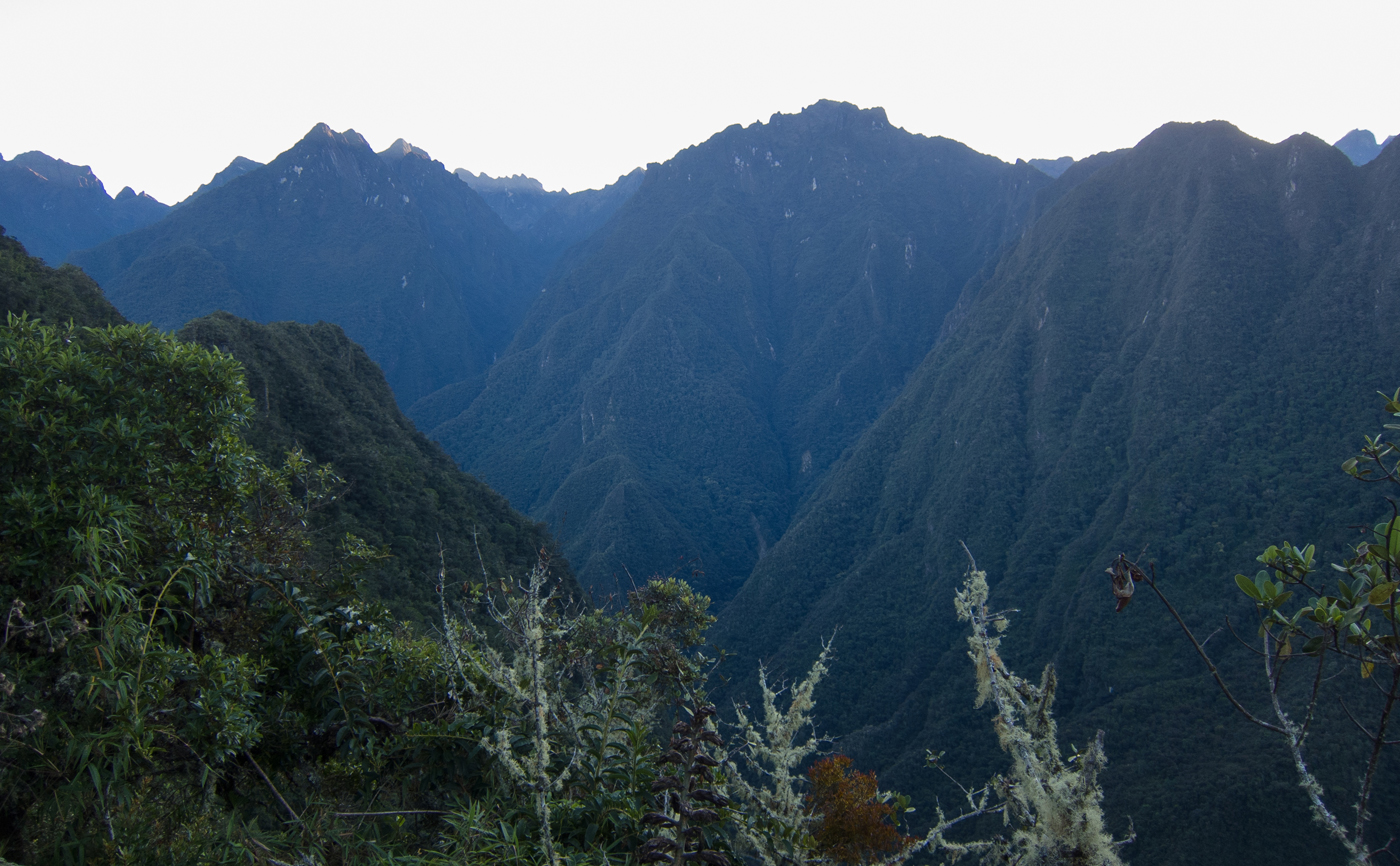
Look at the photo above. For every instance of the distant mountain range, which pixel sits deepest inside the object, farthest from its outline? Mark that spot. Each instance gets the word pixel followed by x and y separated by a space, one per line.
pixel 391 246
pixel 804 361
pixel 55 208
pixel 1053 167
pixel 549 222
pixel 1360 146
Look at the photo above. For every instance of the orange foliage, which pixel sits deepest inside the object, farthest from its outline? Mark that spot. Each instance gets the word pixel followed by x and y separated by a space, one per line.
pixel 854 827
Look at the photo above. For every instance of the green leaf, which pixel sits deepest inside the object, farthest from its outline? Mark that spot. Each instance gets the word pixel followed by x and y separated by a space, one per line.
pixel 1247 586
pixel 1381 593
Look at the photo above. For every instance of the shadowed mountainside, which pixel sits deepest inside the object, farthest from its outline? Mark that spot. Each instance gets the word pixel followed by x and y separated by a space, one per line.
pixel 691 369
pixel 1178 355
pixel 54 208
pixel 391 247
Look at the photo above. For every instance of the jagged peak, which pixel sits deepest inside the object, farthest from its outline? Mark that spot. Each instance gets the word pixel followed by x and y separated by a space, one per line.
pixel 56 170
pixel 322 131
pixel 515 183
pixel 239 166
pixel 242 164
pixel 400 149
pixel 129 193
pixel 1052 167
pixel 1360 146
pixel 830 111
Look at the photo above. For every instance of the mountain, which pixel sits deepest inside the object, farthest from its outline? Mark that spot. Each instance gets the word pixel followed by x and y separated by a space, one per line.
pixel 1053 167
pixel 318 391
pixel 1360 146
pixel 390 246
pixel 240 166
pixel 577 217
pixel 548 222
pixel 519 200
pixel 53 296
pixel 689 371
pixel 1176 357
pixel 55 208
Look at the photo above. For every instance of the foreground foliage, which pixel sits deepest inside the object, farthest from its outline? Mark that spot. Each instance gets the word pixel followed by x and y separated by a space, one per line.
pixel 182 681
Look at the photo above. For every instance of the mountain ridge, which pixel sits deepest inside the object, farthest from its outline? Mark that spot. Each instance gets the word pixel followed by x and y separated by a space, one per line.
pixel 703 299
pixel 55 207
pixel 411 262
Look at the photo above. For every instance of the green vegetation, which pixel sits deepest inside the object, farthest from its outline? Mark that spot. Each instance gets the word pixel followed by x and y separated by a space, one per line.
pixel 180 679
pixel 27 285
pixel 317 391
pixel 1344 647
pixel 905 347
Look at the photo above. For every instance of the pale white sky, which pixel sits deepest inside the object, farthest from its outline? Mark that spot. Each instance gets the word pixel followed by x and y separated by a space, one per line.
pixel 160 95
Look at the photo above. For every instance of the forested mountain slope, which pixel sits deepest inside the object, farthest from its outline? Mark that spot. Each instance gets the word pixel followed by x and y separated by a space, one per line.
pixel 54 207
pixel 692 368
pixel 391 247
pixel 318 391
pixel 54 296
pixel 1178 356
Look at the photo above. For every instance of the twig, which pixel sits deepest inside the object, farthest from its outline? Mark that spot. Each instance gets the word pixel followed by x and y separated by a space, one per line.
pixel 387 814
pixel 1200 650
pixel 271 787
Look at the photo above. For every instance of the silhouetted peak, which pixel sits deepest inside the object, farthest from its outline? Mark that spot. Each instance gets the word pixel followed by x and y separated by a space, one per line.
pixel 1053 167
pixel 485 183
pixel 830 113
pixel 56 170
pixel 1360 146
pixel 400 149
pixel 240 166
pixel 322 133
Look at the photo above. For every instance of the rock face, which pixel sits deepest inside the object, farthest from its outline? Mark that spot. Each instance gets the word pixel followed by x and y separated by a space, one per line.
pixel 690 372
pixel 54 208
pixel 1177 356
pixel 1360 146
pixel 392 247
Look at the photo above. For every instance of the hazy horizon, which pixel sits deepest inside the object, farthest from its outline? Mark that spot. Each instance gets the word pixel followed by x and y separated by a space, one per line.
pixel 160 96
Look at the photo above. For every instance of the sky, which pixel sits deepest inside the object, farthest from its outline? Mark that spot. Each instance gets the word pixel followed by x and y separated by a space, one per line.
pixel 161 95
